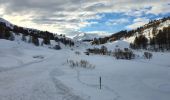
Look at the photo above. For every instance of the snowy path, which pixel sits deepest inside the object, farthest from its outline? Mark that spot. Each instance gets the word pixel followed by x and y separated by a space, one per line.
pixel 35 81
pixel 116 95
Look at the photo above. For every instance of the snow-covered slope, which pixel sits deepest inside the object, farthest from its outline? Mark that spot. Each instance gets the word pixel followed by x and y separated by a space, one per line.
pixel 86 36
pixel 28 72
pixel 148 31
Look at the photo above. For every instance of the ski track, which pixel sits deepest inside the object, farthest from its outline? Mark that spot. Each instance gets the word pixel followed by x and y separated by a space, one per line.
pixel 63 92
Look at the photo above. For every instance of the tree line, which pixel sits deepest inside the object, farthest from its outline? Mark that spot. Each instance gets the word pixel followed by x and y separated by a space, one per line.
pixel 32 34
pixel 159 42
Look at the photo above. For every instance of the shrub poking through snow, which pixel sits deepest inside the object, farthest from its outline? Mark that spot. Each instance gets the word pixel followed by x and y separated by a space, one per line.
pixel 77 52
pixel 38 57
pixel 81 63
pixel 147 55
pixel 124 54
pixel 57 47
pixel 102 51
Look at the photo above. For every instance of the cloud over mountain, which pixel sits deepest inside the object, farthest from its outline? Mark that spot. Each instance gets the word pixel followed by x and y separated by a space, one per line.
pixel 69 16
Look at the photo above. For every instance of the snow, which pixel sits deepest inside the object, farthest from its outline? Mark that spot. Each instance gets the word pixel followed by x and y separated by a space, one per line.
pixel 87 36
pixel 121 79
pixel 23 77
pixel 164 24
pixel 6 22
pixel 148 32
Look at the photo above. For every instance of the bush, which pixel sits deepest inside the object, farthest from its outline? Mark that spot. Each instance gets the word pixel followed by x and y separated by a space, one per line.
pixel 77 53
pixel 57 47
pixel 81 63
pixel 24 38
pixel 102 51
pixel 124 54
pixel 12 37
pixel 147 55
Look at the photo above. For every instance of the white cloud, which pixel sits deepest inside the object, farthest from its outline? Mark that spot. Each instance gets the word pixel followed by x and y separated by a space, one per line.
pixel 101 33
pixel 137 23
pixel 160 9
pixel 67 16
pixel 117 21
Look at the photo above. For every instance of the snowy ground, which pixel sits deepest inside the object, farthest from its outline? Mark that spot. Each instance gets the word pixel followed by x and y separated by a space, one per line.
pixel 49 77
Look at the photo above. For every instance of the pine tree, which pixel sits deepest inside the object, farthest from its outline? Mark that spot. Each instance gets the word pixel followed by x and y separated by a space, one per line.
pixel 12 37
pixel 35 40
pixel 24 38
pixel 2 31
pixel 30 39
pixel 46 41
pixel 141 42
pixel 7 34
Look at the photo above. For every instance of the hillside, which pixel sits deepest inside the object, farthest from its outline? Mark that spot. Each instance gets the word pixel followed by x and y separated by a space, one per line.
pixel 149 30
pixel 86 36
pixel 38 38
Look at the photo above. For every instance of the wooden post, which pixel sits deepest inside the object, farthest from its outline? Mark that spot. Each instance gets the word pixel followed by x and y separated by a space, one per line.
pixel 100 81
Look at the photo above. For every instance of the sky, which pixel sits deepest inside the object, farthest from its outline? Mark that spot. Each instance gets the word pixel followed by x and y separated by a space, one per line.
pixel 72 17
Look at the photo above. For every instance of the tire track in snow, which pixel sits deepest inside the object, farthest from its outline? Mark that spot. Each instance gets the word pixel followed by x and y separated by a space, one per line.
pixel 62 90
pixel 25 65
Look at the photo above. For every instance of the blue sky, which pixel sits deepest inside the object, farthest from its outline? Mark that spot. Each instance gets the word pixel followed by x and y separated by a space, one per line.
pixel 72 17
pixel 116 25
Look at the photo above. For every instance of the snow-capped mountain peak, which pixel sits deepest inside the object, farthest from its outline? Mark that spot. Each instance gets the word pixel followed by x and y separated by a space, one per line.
pixel 86 36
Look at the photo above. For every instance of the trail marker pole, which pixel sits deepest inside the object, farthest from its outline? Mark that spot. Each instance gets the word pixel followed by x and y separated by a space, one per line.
pixel 100 81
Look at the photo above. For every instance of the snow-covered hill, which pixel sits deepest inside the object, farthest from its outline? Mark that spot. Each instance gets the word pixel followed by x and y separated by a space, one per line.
pixel 148 32
pixel 86 36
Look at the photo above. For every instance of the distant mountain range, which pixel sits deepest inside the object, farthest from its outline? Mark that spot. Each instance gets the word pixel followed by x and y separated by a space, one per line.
pixel 87 36
pixel 149 30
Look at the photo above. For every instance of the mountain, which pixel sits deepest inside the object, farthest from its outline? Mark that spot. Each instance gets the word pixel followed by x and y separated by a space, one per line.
pixel 149 30
pixel 37 37
pixel 87 36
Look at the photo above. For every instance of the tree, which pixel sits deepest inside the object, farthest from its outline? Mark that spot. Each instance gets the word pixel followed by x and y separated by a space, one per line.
pixel 24 38
pixel 46 41
pixel 35 40
pixel 141 42
pixel 2 30
pixel 7 34
pixel 147 55
pixel 103 50
pixel 12 37
pixel 30 39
